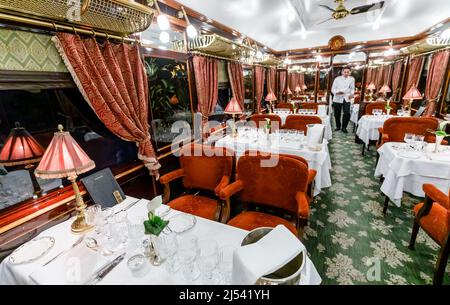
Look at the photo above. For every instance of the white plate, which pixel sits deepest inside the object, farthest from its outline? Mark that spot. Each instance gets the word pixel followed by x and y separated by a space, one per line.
pixel 181 223
pixel 410 154
pixel 32 250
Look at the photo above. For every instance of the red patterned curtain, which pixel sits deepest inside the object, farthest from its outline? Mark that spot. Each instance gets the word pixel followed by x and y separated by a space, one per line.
pixel 369 77
pixel 293 80
pixel 206 71
pixel 435 79
pixel 396 75
pixel 259 86
pixel 301 80
pixel 282 83
pixel 113 81
pixel 271 79
pixel 414 69
pixel 236 74
pixel 387 76
pixel 379 79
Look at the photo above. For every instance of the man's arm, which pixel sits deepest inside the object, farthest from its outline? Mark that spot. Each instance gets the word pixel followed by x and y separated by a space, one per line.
pixel 334 87
pixel 352 87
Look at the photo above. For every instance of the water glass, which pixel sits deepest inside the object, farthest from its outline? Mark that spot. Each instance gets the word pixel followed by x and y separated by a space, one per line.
pixel 226 263
pixel 419 142
pixel 118 226
pixel 136 233
pixel 187 253
pixel 208 259
pixel 168 248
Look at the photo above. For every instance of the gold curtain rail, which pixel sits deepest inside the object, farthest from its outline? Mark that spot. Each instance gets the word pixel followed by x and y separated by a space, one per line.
pixel 431 52
pixel 58 26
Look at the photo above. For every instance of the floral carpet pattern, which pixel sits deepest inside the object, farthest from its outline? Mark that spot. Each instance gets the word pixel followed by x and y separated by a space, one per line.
pixel 348 238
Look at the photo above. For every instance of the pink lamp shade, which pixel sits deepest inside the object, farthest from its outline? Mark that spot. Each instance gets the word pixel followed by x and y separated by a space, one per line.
pixel 63 158
pixel 271 97
pixel 371 86
pixel 297 89
pixel 20 148
pixel 304 87
pixel 288 91
pixel 385 89
pixel 413 94
pixel 233 107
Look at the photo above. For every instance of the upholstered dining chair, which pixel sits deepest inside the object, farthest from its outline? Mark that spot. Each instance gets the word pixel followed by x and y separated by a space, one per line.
pixel 260 120
pixel 380 105
pixel 285 106
pixel 282 187
pixel 433 216
pixel 203 168
pixel 300 122
pixel 310 105
pixel 394 129
pixel 357 99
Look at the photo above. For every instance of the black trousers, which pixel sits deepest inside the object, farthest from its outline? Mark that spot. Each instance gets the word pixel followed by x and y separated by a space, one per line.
pixel 337 114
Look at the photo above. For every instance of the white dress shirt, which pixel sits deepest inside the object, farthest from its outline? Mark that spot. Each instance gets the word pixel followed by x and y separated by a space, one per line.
pixel 343 84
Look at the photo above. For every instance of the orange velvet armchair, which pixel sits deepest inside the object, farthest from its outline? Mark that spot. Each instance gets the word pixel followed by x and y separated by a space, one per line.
pixel 285 106
pixel 300 122
pixel 260 120
pixel 208 171
pixel 394 129
pixel 380 105
pixel 282 187
pixel 433 216
pixel 310 105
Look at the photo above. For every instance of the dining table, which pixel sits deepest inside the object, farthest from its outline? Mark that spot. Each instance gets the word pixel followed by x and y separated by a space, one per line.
pixel 354 113
pixel 83 261
pixel 326 121
pixel 289 144
pixel 406 169
pixel 368 126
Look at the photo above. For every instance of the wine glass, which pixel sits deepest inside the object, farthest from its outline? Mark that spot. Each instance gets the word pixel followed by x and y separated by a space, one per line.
pixel 419 142
pixel 187 253
pixel 208 258
pixel 226 263
pixel 168 247
pixel 136 232
pixel 409 139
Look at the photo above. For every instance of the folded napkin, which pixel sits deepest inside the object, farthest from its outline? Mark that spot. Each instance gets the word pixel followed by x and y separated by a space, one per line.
pixel 72 268
pixel 314 135
pixel 153 204
pixel 322 110
pixel 270 253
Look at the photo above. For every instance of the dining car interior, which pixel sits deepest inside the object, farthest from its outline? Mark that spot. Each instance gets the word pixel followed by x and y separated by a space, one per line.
pixel 241 142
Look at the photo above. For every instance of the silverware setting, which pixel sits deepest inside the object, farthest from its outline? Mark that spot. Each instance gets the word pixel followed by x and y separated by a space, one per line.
pixel 79 240
pixel 105 270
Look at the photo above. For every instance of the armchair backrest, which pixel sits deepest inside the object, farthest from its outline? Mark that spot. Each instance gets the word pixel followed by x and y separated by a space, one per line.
pixel 205 166
pixel 380 105
pixel 396 127
pixel 274 186
pixel 260 120
pixel 311 105
pixel 300 122
pixel 285 106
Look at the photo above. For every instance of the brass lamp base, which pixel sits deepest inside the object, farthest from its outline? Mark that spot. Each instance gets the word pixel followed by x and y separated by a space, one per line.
pixel 79 225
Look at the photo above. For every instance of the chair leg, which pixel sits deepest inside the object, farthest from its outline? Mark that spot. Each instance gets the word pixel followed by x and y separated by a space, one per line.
pixel 378 158
pixel 441 264
pixel 301 224
pixel 415 231
pixel 363 148
pixel 386 204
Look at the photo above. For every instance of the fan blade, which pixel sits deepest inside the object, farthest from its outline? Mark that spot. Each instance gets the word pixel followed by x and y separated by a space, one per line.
pixel 324 21
pixel 327 7
pixel 367 8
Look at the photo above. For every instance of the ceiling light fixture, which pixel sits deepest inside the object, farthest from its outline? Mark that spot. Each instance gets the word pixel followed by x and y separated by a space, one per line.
pixel 162 20
pixel 190 29
pixel 164 37
pixel 445 34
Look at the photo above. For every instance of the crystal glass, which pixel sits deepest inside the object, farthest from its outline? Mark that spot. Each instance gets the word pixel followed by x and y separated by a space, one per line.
pixel 187 253
pixel 118 226
pixel 409 139
pixel 419 142
pixel 136 233
pixel 226 263
pixel 168 247
pixel 208 259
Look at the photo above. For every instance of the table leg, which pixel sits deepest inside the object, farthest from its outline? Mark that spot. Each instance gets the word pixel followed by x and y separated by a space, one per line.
pixel 386 204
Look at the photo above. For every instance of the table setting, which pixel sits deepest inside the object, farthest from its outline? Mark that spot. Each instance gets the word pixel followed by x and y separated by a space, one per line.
pixel 313 148
pixel 368 126
pixel 407 166
pixel 135 242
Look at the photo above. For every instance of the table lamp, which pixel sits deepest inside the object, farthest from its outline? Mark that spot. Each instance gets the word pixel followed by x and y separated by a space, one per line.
pixel 297 90
pixel 304 87
pixel 371 87
pixel 270 98
pixel 65 158
pixel 412 94
pixel 288 92
pixel 233 108
pixel 22 149
pixel 385 90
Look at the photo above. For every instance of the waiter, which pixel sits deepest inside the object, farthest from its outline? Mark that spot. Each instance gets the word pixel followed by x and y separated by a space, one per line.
pixel 343 90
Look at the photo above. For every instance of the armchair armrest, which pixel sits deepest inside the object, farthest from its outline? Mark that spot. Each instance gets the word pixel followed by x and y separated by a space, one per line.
pixel 231 189
pixel 311 175
pixel 436 195
pixel 223 183
pixel 302 205
pixel 176 174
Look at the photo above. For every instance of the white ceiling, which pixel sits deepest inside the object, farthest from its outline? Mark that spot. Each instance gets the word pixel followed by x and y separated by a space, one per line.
pixel 293 24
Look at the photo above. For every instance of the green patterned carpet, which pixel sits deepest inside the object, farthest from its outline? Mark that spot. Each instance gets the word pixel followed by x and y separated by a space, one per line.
pixel 349 240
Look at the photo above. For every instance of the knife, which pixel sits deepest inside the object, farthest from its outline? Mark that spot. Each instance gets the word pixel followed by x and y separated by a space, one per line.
pixel 99 275
pixel 79 240
pixel 128 207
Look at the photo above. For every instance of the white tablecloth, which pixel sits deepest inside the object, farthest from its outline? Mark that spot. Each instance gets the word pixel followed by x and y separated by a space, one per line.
pixel 318 160
pixel 408 175
pixel 325 120
pixel 120 275
pixel 354 113
pixel 368 127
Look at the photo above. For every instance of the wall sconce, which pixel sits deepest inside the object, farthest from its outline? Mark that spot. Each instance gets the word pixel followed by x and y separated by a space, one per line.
pixel 190 29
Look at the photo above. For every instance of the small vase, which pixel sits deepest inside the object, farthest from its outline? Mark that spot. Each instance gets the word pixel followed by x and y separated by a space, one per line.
pixel 439 140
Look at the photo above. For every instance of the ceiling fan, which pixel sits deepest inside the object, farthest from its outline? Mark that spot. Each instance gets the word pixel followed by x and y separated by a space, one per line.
pixel 341 12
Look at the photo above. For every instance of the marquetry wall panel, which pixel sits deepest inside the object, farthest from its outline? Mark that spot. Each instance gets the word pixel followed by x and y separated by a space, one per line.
pixel 26 51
